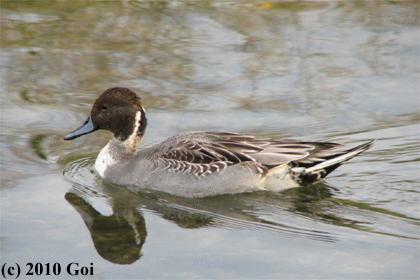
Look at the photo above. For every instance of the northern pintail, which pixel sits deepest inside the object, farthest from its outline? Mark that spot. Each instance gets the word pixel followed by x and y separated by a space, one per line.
pixel 197 164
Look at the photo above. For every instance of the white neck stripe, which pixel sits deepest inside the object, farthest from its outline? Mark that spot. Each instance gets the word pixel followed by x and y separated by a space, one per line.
pixel 132 138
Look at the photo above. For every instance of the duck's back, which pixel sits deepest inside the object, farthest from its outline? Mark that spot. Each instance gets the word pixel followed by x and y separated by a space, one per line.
pixel 192 164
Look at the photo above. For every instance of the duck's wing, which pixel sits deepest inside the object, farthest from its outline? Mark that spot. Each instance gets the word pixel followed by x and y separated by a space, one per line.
pixel 310 161
pixel 202 157
pixel 271 152
pixel 214 151
pixel 203 153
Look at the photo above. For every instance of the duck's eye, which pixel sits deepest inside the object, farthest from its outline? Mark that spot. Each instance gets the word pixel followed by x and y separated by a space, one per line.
pixel 104 107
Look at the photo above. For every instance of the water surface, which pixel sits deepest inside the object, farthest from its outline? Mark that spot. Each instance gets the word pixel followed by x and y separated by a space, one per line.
pixel 319 71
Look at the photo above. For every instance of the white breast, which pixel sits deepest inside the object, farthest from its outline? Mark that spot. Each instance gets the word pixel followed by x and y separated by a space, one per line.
pixel 104 160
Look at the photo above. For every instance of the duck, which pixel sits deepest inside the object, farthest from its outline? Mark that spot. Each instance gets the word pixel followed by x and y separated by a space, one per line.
pixel 202 163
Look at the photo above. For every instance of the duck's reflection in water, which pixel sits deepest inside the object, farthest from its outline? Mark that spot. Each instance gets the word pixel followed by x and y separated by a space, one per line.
pixel 119 237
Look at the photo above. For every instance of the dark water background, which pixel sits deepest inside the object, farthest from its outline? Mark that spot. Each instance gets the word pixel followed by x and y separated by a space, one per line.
pixel 335 71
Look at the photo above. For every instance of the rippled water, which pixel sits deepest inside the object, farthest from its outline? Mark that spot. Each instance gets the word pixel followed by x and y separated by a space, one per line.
pixel 344 71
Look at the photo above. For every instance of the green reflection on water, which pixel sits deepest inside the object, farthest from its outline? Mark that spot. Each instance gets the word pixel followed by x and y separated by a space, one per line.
pixel 117 238
pixel 36 143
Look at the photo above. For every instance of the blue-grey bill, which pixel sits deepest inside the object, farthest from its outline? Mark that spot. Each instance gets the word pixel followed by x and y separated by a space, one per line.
pixel 87 127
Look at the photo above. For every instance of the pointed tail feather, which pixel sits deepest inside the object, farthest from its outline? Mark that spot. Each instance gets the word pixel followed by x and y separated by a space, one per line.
pixel 318 171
